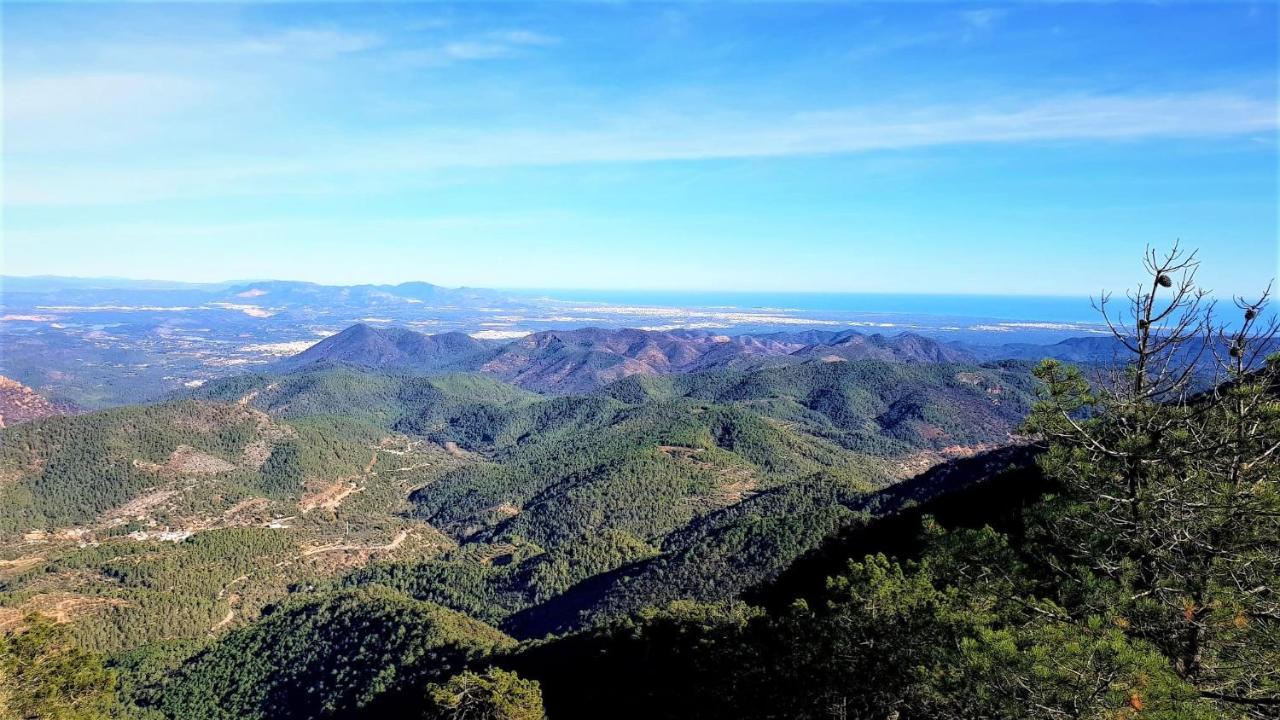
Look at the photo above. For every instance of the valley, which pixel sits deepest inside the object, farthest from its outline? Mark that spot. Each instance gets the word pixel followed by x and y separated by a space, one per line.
pixel 497 502
pixel 354 466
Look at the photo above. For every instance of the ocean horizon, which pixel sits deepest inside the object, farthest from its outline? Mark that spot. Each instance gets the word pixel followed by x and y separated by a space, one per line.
pixel 1014 308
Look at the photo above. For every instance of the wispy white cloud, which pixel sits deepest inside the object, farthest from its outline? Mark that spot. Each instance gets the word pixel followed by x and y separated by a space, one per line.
pixel 306 42
pixel 76 112
pixel 485 46
pixel 323 165
pixel 523 37
pixel 961 27
pixel 982 18
pixel 83 95
pixel 473 50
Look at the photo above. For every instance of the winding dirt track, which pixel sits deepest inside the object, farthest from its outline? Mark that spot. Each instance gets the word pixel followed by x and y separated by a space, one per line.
pixel 395 543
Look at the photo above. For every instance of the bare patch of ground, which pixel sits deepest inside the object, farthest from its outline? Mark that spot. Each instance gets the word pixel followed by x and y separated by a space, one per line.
pixel 679 450
pixel 59 607
pixel 138 507
pixel 742 484
pixel 10 477
pixel 503 511
pixel 248 506
pixel 225 621
pixel 19 403
pixel 932 432
pixel 328 497
pixel 17 565
pixel 909 466
pixel 452 448
pixel 734 484
pixel 189 461
pixel 256 453
pixel 396 542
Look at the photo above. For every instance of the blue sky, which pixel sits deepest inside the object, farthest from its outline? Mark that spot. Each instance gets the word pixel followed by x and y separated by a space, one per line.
pixel 1028 148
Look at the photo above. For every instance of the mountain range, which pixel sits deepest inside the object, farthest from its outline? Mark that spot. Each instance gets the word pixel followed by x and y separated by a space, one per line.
pixel 472 497
pixel 582 360
pixel 280 293
pixel 568 361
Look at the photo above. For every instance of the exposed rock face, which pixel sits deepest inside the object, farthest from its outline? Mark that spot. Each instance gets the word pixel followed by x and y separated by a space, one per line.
pixel 19 403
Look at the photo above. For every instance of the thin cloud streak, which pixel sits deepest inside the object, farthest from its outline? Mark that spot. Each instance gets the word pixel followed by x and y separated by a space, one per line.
pixel 72 96
pixel 321 43
pixel 432 152
pixel 487 46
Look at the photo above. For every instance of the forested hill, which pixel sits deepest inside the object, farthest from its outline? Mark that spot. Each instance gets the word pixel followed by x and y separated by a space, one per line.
pixel 883 406
pixel 369 537
pixel 726 475
pixel 567 361
pixel 462 490
pixel 73 471
pixel 582 360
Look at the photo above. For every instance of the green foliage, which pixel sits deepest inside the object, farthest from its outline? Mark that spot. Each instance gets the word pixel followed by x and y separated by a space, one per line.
pixel 714 558
pixel 43 676
pixel 494 695
pixel 157 593
pixel 878 407
pixel 69 470
pixel 144 671
pixel 486 592
pixel 1171 518
pixel 72 468
pixel 378 398
pixel 644 470
pixel 330 655
pixel 1145 588
pixel 938 639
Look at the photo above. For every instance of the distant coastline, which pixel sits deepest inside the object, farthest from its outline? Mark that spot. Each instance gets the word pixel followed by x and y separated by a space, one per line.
pixel 1029 308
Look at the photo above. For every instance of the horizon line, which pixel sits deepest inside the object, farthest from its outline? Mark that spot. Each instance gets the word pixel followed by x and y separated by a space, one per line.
pixel 537 289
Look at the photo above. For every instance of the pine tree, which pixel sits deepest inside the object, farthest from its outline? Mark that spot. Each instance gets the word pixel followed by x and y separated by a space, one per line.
pixel 1172 505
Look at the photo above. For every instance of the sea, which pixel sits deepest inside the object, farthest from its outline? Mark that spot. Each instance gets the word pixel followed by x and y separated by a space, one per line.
pixel 990 319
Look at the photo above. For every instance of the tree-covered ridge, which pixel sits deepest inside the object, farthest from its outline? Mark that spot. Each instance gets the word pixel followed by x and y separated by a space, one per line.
pixel 868 405
pixel 43 674
pixel 187 518
pixel 1137 579
pixel 697 485
pixel 377 397
pixel 68 471
pixel 346 654
pixel 584 359
pixel 873 406
pixel 732 544
pixel 647 469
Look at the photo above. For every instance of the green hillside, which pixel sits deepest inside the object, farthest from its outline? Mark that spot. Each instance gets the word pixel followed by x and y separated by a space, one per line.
pixel 69 470
pixel 871 406
pixel 175 521
pixel 346 654
pixel 341 488
pixel 382 398
pixel 700 485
